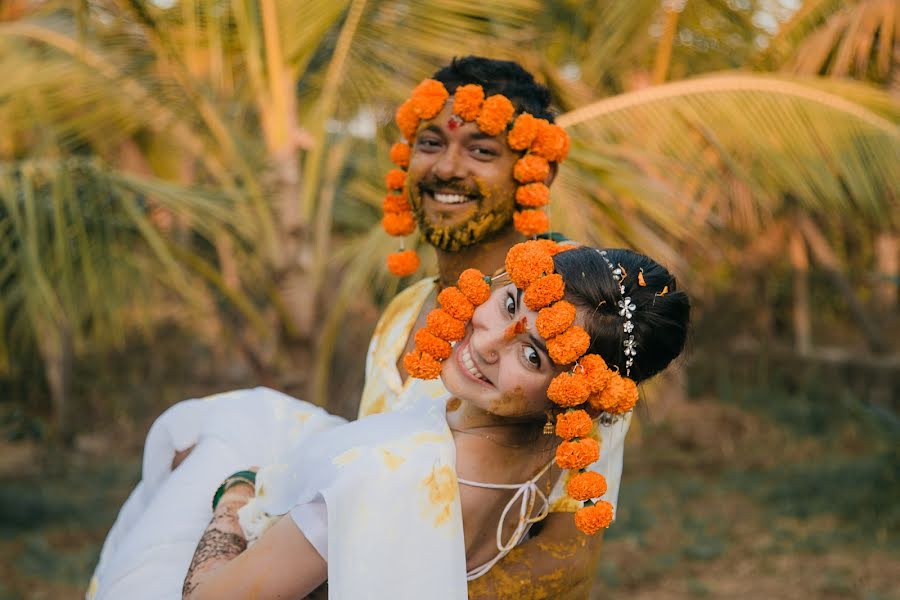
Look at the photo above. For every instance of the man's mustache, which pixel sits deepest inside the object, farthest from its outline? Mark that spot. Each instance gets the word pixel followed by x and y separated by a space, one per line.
pixel 453 187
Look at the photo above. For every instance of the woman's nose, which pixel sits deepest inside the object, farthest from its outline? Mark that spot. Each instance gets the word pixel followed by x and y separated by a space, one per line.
pixel 488 342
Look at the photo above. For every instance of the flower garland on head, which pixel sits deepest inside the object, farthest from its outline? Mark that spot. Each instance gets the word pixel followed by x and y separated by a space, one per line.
pixel 589 384
pixel 541 142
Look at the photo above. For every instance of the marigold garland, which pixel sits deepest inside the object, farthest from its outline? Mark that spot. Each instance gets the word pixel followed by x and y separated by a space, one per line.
pixel 533 195
pixel 527 262
pixel 422 365
pixel 495 114
pixel 395 179
pixel 456 304
pixel 597 372
pixel 568 389
pixel 531 168
pixel 395 203
pixel 428 98
pixel 574 424
pixel 467 101
pixel 577 454
pixel 400 154
pixel 432 344
pixel 568 346
pixel 551 142
pixel 398 223
pixel 407 120
pixel 474 287
pixel 594 517
pixel 523 132
pixel 586 486
pixel 544 291
pixel 403 263
pixel 531 222
pixel 555 319
pixel 441 324
pixel 628 396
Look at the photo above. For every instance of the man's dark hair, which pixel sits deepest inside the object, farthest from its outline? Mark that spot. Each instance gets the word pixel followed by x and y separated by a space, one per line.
pixel 499 77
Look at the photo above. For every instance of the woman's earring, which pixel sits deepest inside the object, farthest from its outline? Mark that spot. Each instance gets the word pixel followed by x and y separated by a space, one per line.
pixel 549 427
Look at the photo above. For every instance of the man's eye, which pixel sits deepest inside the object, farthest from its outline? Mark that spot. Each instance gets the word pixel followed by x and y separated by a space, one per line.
pixel 532 356
pixel 484 152
pixel 510 305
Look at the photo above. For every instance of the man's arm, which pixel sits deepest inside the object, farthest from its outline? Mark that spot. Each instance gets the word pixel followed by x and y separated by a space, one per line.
pixel 558 563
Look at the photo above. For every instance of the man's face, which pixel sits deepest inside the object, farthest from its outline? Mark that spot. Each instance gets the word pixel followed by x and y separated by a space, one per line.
pixel 460 182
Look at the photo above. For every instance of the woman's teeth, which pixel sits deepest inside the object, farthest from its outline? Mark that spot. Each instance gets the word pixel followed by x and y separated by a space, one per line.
pixel 450 198
pixel 470 364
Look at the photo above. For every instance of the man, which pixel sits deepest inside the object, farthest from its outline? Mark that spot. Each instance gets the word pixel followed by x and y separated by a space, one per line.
pixel 461 187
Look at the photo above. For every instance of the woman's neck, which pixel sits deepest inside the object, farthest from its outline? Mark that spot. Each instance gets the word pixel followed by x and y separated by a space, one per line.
pixel 465 417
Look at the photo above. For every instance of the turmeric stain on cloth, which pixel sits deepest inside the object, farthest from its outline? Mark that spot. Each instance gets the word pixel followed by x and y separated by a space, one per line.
pixel 392 461
pixel 441 489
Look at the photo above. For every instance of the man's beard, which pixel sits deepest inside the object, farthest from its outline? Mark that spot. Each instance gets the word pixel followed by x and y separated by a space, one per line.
pixel 453 238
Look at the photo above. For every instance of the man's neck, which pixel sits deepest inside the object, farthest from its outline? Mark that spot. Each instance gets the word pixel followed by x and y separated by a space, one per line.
pixel 487 256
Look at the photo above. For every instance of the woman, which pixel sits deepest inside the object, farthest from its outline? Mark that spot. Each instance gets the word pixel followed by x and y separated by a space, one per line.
pixel 374 505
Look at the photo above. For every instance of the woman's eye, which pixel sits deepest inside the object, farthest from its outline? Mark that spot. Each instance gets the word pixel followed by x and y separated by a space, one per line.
pixel 532 356
pixel 510 305
pixel 484 153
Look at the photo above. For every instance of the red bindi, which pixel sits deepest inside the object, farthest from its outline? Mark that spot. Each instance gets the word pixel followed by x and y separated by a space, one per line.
pixel 454 122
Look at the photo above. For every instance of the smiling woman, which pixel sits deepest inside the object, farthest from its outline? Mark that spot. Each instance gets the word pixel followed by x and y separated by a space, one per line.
pixel 444 486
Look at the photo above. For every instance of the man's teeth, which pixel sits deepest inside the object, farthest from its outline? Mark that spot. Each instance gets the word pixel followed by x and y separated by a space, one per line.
pixel 450 198
pixel 470 365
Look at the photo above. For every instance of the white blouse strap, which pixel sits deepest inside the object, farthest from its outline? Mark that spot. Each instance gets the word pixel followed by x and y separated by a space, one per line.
pixel 526 494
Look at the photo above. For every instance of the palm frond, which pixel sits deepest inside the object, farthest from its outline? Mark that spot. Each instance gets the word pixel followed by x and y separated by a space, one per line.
pixel 784 138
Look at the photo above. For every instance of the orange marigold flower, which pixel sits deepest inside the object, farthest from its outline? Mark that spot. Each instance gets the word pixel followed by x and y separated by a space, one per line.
pixel 568 346
pixel 577 454
pixel 495 114
pixel 555 319
pixel 534 195
pixel 531 222
pixel 441 324
pixel 568 389
pixel 428 98
pixel 586 485
pixel 395 203
pixel 407 120
pixel 531 168
pixel 523 131
pixel 398 223
pixel 473 286
pixel 544 292
pixel 467 101
pixel 400 154
pixel 456 304
pixel 551 142
pixel 422 365
pixel 403 263
pixel 395 179
pixel 528 261
pixel 591 519
pixel 618 391
pixel 552 247
pixel 574 424
pixel 432 344
pixel 597 372
pixel 628 396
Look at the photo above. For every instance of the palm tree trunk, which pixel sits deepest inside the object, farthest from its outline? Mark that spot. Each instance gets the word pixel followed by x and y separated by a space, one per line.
pixel 802 323
pixel 663 58
pixel 829 261
pixel 887 265
pixel 55 347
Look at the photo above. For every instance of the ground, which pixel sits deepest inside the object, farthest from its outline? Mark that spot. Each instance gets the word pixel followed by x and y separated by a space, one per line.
pixel 763 494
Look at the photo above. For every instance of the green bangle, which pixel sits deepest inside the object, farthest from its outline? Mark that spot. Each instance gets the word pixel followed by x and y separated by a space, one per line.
pixel 248 477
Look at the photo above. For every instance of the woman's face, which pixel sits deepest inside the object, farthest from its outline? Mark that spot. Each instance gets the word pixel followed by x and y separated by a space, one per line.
pixel 501 366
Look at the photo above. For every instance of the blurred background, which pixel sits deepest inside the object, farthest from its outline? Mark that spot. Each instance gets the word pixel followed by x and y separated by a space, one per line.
pixel 190 200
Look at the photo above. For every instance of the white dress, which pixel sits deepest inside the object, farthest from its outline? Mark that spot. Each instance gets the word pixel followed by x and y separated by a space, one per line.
pixel 388 482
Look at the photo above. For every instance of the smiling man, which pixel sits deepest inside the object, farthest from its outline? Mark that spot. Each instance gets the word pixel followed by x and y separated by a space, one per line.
pixel 461 187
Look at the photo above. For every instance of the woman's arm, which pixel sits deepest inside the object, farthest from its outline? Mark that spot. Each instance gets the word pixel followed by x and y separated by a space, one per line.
pixel 282 564
pixel 558 563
